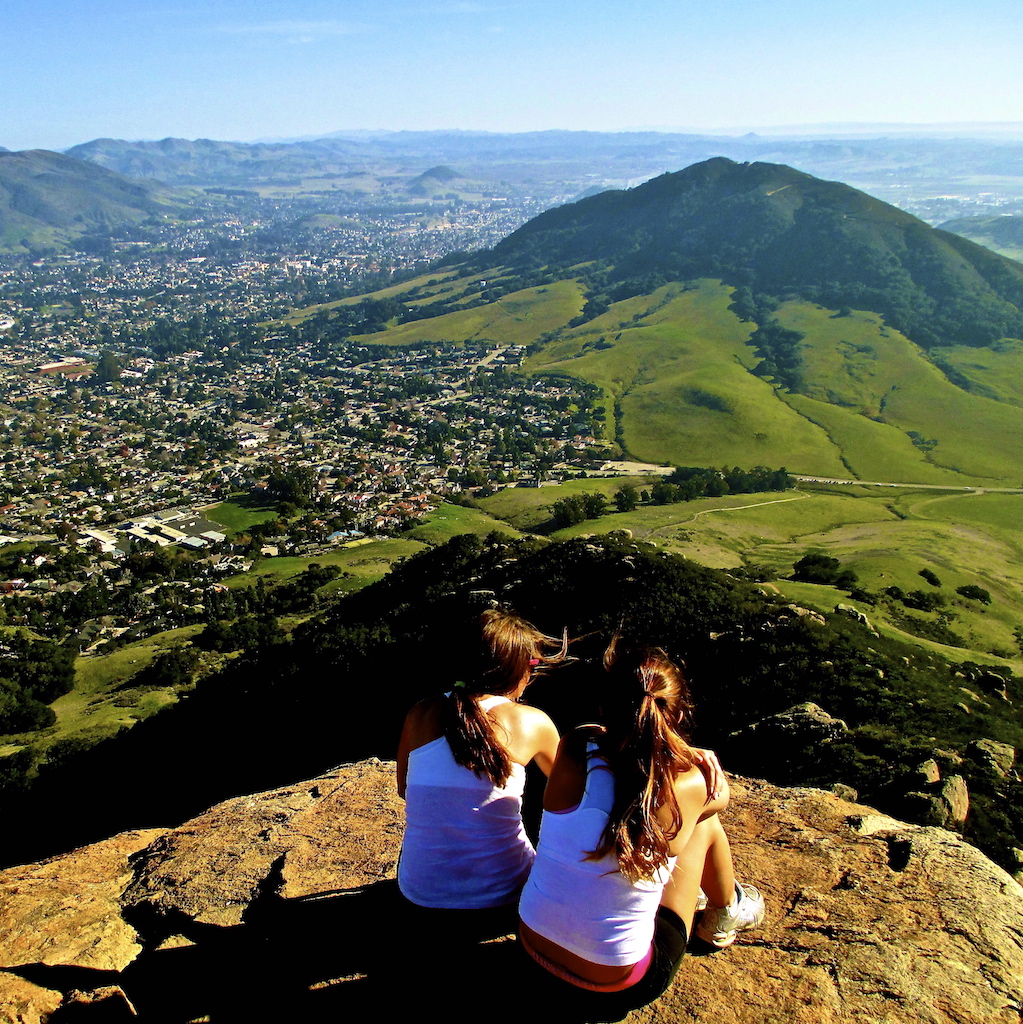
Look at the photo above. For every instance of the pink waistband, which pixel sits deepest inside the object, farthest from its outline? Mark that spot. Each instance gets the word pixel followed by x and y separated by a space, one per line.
pixel 635 974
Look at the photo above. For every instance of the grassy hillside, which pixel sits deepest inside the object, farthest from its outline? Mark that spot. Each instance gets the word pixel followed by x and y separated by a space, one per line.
pixel 47 199
pixel 886 536
pixel 515 319
pixel 857 364
pixel 1002 234
pixel 447 521
pixel 362 562
pixel 995 372
pixel 875 407
pixel 678 368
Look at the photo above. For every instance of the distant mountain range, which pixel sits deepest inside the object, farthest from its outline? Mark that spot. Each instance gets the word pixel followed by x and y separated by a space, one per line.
pixel 48 199
pixel 565 162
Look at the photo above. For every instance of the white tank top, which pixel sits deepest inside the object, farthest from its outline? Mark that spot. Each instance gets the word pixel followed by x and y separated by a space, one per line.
pixel 464 847
pixel 588 906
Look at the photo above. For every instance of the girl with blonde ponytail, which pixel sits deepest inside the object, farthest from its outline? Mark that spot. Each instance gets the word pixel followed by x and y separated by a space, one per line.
pixel 630 832
pixel 461 769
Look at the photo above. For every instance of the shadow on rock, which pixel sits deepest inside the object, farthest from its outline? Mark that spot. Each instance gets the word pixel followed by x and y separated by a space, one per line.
pixel 348 953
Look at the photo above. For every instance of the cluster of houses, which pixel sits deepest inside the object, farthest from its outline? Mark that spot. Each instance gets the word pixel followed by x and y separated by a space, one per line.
pixel 182 430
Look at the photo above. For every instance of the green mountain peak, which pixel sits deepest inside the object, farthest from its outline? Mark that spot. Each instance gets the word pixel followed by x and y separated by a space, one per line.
pixel 780 232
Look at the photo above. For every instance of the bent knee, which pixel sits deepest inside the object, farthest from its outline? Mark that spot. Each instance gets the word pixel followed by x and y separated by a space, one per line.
pixel 717 803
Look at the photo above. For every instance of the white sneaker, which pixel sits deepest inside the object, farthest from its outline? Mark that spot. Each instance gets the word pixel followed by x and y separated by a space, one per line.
pixel 701 901
pixel 720 925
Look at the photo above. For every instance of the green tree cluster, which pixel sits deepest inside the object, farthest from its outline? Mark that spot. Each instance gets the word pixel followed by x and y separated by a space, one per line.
pixel 816 567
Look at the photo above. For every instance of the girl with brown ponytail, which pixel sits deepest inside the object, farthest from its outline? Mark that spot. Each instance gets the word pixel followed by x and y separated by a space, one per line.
pixel 461 770
pixel 630 832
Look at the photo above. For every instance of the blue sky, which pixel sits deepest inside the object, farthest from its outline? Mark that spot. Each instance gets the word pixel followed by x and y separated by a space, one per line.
pixel 74 70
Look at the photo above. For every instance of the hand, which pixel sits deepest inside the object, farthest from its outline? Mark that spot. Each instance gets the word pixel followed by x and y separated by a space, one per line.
pixel 708 763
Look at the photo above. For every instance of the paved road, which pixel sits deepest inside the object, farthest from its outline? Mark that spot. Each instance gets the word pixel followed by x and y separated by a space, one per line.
pixel 928 487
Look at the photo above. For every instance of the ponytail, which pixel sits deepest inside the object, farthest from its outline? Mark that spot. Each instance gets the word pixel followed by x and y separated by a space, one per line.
pixel 510 650
pixel 470 734
pixel 646 704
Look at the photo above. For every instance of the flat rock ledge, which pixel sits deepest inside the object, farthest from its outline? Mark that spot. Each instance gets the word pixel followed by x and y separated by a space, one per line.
pixel 282 906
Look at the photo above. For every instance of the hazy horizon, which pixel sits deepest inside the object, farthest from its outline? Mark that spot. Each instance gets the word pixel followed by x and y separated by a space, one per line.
pixel 839 130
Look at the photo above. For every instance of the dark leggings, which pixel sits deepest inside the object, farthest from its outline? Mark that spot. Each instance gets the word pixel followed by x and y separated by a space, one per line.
pixel 580 1004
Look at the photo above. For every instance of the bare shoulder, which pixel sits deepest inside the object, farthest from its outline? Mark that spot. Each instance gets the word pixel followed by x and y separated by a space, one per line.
pixel 523 715
pixel 528 733
pixel 424 722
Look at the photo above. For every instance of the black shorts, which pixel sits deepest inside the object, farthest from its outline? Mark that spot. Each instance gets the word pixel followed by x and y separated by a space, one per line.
pixel 579 1004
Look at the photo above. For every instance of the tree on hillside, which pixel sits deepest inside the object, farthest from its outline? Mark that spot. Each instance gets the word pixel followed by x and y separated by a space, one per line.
pixel 816 567
pixel 626 498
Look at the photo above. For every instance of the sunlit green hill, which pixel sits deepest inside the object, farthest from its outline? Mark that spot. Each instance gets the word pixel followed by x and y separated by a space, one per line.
pixel 749 313
pixel 778 231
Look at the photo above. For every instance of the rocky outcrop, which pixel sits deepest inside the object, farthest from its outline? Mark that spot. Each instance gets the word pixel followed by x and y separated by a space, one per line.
pixel 282 906
pixel 998 757
pixel 66 911
pixel 799 726
pixel 854 613
pixel 21 1002
pixel 212 868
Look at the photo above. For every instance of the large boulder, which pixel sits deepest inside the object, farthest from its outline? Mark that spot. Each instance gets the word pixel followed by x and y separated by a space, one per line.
pixel 286 909
pixel 869 919
pixel 799 726
pixel 999 757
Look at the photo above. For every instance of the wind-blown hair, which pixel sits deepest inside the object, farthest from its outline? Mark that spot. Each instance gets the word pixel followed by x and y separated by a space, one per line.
pixel 646 708
pixel 510 648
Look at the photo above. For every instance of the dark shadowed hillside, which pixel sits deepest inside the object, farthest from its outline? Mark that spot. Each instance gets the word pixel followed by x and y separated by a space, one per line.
pixel 339 688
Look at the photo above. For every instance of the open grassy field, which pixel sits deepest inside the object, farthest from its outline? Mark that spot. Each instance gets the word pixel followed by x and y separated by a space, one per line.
pixel 887 536
pixel 365 561
pixel 998 512
pixel 528 508
pixel 240 513
pixel 447 521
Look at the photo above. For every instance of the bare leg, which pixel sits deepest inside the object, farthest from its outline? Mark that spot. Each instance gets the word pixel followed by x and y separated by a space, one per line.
pixel 718 879
pixel 705 860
